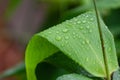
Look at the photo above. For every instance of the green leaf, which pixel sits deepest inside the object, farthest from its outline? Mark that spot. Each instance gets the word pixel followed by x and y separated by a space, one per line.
pixel 77 38
pixel 88 5
pixel 12 7
pixel 73 77
pixel 46 71
pixel 62 61
pixel 20 68
pixel 102 4
pixel 116 75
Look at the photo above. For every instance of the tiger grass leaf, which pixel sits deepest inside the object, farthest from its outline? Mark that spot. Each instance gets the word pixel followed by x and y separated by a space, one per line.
pixel 77 38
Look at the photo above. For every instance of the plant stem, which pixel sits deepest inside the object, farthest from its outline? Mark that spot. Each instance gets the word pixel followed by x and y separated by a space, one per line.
pixel 108 77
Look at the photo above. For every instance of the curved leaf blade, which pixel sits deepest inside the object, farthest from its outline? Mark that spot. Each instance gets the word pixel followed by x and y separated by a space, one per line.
pixel 36 53
pixel 77 38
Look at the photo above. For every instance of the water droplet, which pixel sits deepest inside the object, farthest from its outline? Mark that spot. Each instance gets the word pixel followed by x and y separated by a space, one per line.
pixel 74 37
pixel 78 22
pixel 58 38
pixel 49 32
pixel 105 42
pixel 75 19
pixel 98 47
pixel 90 31
pixel 81 28
pixel 57 32
pixel 66 37
pixel 83 42
pixel 85 32
pixel 87 59
pixel 88 27
pixel 109 49
pixel 88 41
pixel 73 33
pixel 65 30
pixel 83 21
pixel 79 37
pixel 76 52
pixel 87 16
pixel 74 23
pixel 91 19
pixel 70 21
pixel 66 42
pixel 62 45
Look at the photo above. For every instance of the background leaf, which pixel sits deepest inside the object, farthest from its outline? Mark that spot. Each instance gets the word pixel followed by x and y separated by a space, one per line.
pixel 116 75
pixel 60 60
pixel 88 5
pixel 46 71
pixel 73 77
pixel 12 7
pixel 17 70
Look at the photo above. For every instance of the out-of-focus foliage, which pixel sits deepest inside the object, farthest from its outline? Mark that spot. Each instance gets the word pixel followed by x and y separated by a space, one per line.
pixel 13 4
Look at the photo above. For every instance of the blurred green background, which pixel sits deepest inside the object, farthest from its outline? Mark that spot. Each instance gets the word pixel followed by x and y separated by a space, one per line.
pixel 20 19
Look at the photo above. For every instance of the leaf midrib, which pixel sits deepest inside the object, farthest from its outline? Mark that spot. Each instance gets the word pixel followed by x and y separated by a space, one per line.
pixel 90 45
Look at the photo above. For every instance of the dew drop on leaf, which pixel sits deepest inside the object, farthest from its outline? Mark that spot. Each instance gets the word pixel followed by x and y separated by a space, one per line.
pixel 66 42
pixel 65 30
pixel 91 19
pixel 109 49
pixel 85 32
pixel 62 45
pixel 74 37
pixel 66 37
pixel 90 31
pixel 83 21
pixel 79 37
pixel 49 32
pixel 81 28
pixel 78 22
pixel 88 41
pixel 87 16
pixel 57 32
pixel 87 59
pixel 58 38
pixel 88 27
pixel 73 33
pixel 83 42
pixel 98 47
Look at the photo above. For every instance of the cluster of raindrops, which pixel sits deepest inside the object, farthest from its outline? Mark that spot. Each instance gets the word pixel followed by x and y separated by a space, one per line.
pixel 81 23
pixel 62 38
